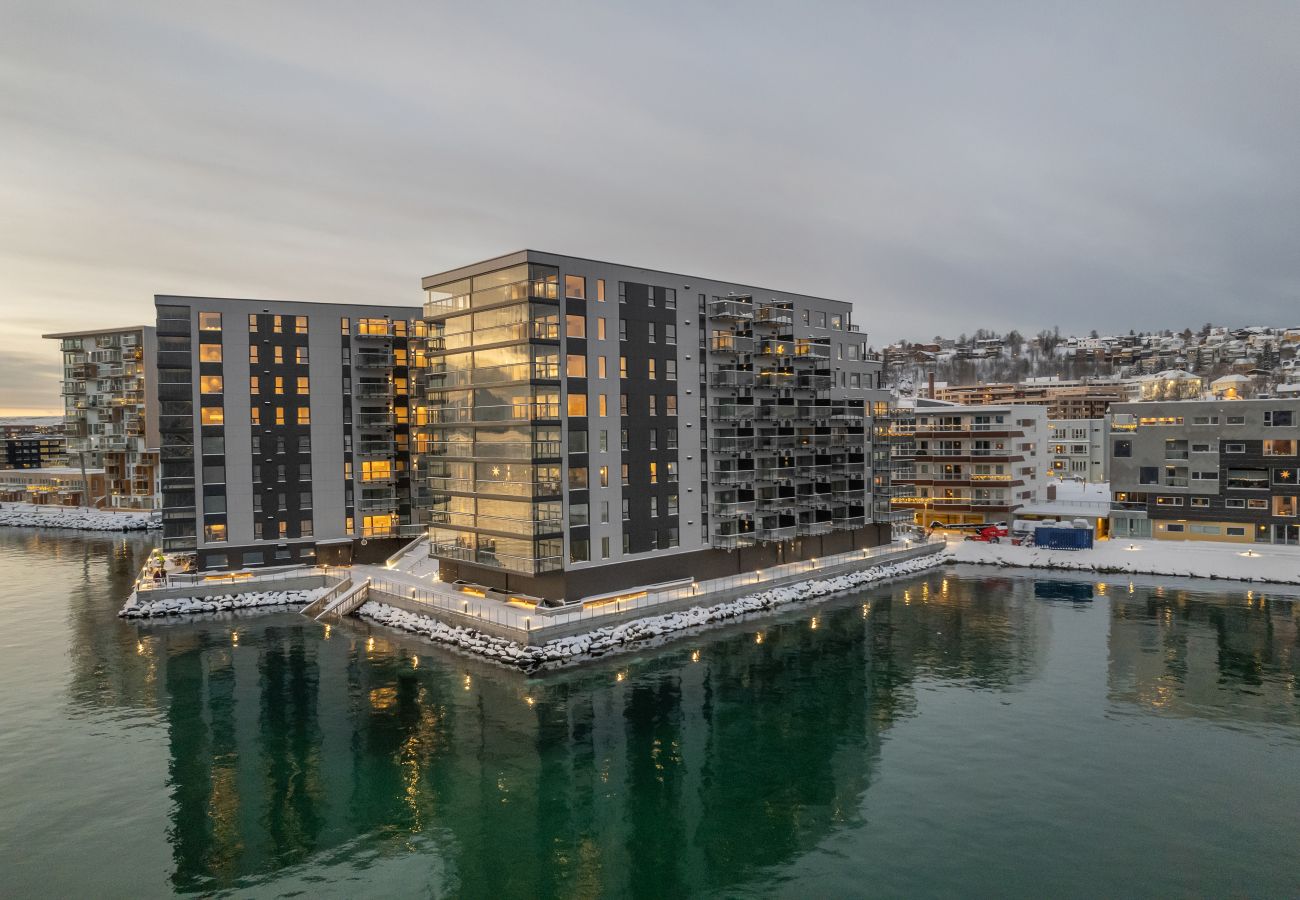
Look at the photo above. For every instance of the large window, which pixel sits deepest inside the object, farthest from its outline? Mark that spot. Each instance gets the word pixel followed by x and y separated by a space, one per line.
pixel 209 353
pixel 209 321
pixel 1279 448
pixel 575 326
pixel 575 286
pixel 1248 479
pixel 577 366
pixel 210 384
pixel 212 415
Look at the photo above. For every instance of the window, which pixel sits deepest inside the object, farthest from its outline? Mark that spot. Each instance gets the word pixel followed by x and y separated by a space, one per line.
pixel 600 366
pixel 210 384
pixel 1235 503
pixel 650 369
pixel 837 322
pixel 1205 420
pixel 277 324
pixel 604 440
pixel 254 385
pixel 304 415
pixel 1235 531
pixel 300 324
pixel 1123 449
pixel 1234 448
pixel 624 474
pixel 577 478
pixel 672 504
pixel 1279 448
pixel 279 356
pixel 213 415
pixel 575 286
pixel 650 332
pixel 209 353
pixel 1149 475
pixel 622 329
pixel 214 444
pixel 653 407
pixel 603 404
pixel 1236 420
pixel 670 369
pixel 252 322
pixel 577 404
pixel 627 543
pixel 805 317
pixel 1200 502
pixel 253 356
pixel 579 550
pixel 622 434
pixel 305 528
pixel 671 470
pixel 622 409
pixel 821 320
pixel 674 536
pixel 279 384
pixel 600 328
pixel 303 385
pixel 1248 479
pixel 670 298
pixel 627 511
pixel 672 438
pixel 654 473
pixel 1277 418
pixel 622 292
pixel 209 321
pixel 255 415
pixel 600 293
pixel 1284 477
pixel 622 367
pixel 1259 503
pixel 1202 448
pixel 577 365
pixel 579 515
pixel 1203 529
pixel 279 415
pixel 575 326
pixel 604 476
pixel 604 542
pixel 670 334
pixel 300 356
pixel 214 532
pixel 577 442
pixel 1284 507
pixel 345 327
pixel 1174 526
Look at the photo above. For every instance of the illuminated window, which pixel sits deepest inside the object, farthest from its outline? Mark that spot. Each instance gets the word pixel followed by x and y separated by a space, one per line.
pixel 279 356
pixel 304 385
pixel 279 415
pixel 209 353
pixel 254 385
pixel 346 328
pixel 604 405
pixel 654 473
pixel 604 476
pixel 577 367
pixel 304 415
pixel 622 367
pixel 214 533
pixel 284 526
pixel 575 286
pixel 575 326
pixel 252 322
pixel 212 415
pixel 376 470
pixel 624 474
pixel 300 324
pixel 210 384
pixel 600 290
pixel 653 405
pixel 650 369
pixel 600 366
pixel 348 522
pixel 600 328
pixel 300 354
pixel 252 353
pixel 209 321
pixel 279 383
pixel 670 405
pixel 577 404
pixel 277 325
pixel 255 415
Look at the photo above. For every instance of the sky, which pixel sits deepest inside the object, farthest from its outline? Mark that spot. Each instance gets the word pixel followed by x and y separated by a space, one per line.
pixel 946 166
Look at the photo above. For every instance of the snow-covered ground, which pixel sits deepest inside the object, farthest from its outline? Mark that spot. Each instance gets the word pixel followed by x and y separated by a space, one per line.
pixel 1195 559
pixel 179 606
pixel 417 562
pixel 31 516
pixel 600 641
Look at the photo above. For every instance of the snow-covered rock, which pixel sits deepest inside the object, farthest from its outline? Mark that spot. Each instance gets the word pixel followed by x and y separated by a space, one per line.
pixel 651 629
pixel 25 515
pixel 179 606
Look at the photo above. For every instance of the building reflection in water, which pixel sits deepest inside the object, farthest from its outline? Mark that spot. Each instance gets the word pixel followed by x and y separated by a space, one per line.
pixel 1180 653
pixel 687 769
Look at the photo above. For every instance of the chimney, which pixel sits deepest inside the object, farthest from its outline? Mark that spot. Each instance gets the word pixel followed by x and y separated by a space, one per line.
pixel 931 385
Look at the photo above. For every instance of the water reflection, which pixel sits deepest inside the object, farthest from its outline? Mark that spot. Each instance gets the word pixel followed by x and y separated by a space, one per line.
pixel 1182 653
pixel 695 769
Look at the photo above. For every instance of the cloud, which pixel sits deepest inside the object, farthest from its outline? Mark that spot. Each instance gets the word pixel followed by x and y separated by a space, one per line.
pixel 946 167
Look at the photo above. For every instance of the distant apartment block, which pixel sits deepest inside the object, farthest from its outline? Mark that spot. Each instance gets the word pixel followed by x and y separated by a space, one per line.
pixel 957 465
pixel 285 428
pixel 1077 448
pixel 110 412
pixel 33 451
pixel 590 427
pixel 1062 399
pixel 1218 470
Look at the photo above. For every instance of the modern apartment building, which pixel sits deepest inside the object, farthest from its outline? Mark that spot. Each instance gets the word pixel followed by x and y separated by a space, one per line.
pixel 1077 448
pixel 34 451
pixel 958 465
pixel 590 427
pixel 284 428
pixel 110 411
pixel 1217 470
pixel 1063 399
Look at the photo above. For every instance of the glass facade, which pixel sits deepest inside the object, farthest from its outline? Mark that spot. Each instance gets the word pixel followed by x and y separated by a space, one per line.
pixel 488 421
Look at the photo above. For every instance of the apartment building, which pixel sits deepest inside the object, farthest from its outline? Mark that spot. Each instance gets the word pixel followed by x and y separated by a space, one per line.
pixel 591 427
pixel 284 428
pixel 34 451
pixel 957 465
pixel 1217 470
pixel 1077 448
pixel 1063 399
pixel 110 412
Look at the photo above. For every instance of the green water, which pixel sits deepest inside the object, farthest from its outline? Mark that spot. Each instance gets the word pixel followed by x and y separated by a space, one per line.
pixel 951 735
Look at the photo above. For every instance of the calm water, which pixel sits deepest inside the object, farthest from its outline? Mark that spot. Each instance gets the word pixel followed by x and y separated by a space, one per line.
pixel 954 735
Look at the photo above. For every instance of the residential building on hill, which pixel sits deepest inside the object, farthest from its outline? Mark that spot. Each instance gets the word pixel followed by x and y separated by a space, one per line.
pixel 1076 448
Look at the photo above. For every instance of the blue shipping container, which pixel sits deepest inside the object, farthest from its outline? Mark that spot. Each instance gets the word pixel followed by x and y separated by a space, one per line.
pixel 1063 538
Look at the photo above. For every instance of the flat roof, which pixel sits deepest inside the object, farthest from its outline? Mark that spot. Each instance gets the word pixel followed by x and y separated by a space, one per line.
pixel 163 298
pixel 88 332
pixel 526 255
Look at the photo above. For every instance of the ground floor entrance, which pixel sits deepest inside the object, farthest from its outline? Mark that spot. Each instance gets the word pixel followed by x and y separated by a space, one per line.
pixel 1286 534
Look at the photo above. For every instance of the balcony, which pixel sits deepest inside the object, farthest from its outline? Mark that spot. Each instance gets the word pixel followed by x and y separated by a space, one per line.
pixel 847 522
pixel 372 359
pixel 822 526
pixel 731 379
pixel 731 541
pixel 775 535
pixel 524 565
pixel 372 421
pixel 734 476
pixel 731 444
pixel 774 316
pixel 732 412
pixel 373 390
pixel 777 473
pixel 731 343
pixel 374 331
pixel 738 310
pixel 377 501
pixel 732 509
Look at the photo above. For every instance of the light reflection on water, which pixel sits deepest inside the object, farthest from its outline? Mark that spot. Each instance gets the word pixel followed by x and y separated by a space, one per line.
pixel 956 733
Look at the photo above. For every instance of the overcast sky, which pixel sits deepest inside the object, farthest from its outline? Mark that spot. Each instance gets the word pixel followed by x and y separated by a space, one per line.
pixel 945 166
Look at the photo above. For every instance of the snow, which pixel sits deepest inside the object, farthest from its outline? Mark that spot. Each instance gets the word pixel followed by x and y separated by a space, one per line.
pixel 1194 559
pixel 27 515
pixel 179 606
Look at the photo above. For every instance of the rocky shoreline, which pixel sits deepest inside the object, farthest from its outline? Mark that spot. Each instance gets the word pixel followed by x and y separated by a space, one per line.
pixel 179 606
pixel 629 634
pixel 26 516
